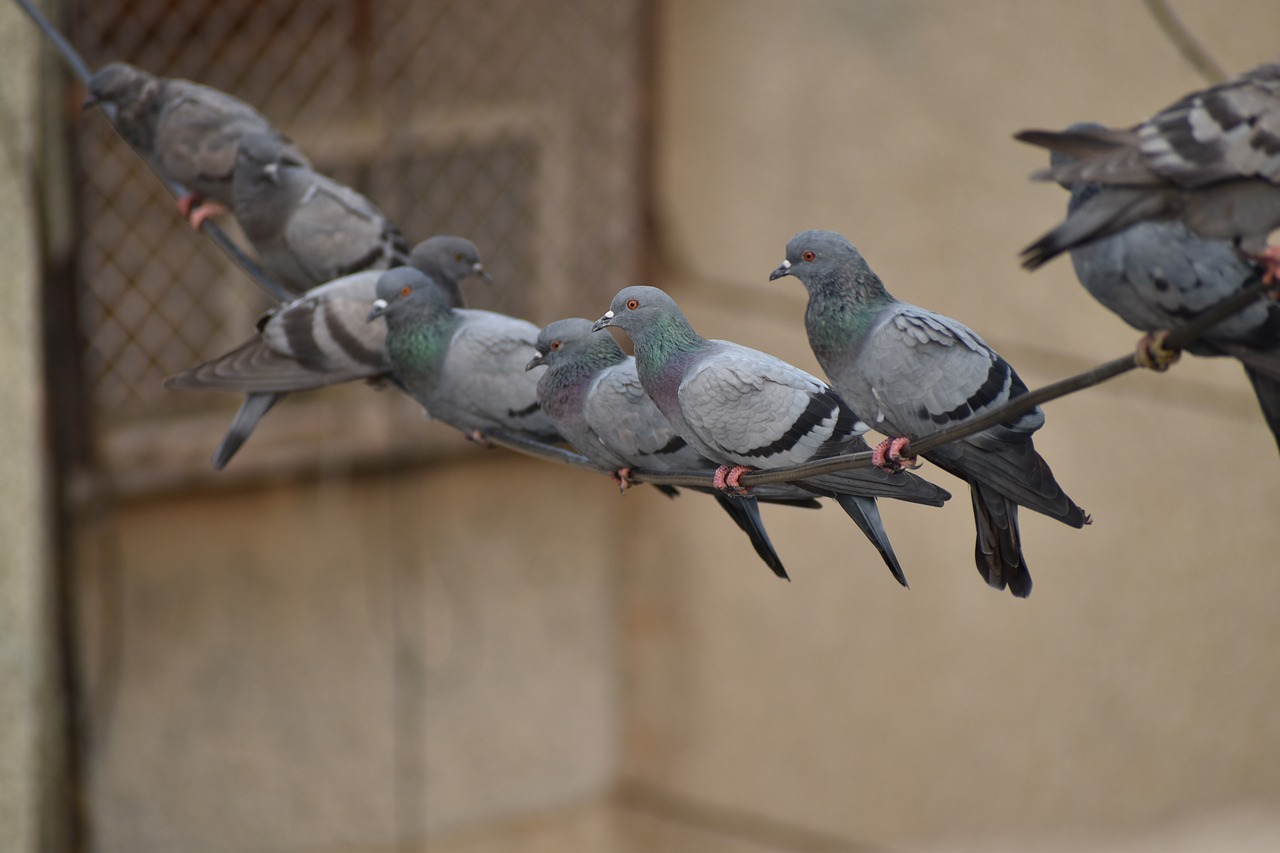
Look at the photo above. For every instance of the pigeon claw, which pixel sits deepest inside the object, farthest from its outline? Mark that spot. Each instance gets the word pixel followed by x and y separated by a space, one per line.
pixel 1154 353
pixel 204 210
pixel 727 477
pixel 894 455
pixel 478 437
pixel 623 478
pixel 1269 260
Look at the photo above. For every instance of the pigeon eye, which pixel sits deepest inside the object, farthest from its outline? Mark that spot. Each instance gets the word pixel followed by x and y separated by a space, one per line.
pixel 808 256
pixel 458 257
pixel 632 304
pixel 406 290
pixel 555 345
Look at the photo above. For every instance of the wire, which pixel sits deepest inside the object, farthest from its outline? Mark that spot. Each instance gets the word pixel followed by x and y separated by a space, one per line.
pixel 1178 338
pixel 211 229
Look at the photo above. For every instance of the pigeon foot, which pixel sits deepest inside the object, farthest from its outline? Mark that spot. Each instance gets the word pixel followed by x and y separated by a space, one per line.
pixel 1269 259
pixel 726 479
pixel 623 478
pixel 1153 353
pixel 894 455
pixel 478 437
pixel 205 210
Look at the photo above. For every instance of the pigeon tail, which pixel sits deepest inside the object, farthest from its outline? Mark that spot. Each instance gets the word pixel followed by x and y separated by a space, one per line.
pixel 1267 388
pixel 998 551
pixel 242 426
pixel 1100 216
pixel 866 515
pixel 745 513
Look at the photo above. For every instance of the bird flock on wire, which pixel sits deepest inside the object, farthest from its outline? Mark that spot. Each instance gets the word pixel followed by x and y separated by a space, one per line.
pixel 1166 219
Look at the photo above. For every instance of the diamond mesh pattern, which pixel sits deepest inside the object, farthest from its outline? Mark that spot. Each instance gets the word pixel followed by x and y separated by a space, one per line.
pixel 512 122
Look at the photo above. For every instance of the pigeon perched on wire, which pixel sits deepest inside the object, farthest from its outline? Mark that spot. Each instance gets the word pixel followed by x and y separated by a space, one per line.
pixel 1160 274
pixel 465 367
pixel 915 372
pixel 322 338
pixel 307 228
pixel 1211 161
pixel 592 394
pixel 188 132
pixel 743 409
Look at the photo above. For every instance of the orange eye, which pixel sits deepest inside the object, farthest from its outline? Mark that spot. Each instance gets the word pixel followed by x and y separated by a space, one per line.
pixel 406 290
pixel 808 256
pixel 555 345
pixel 458 257
pixel 632 304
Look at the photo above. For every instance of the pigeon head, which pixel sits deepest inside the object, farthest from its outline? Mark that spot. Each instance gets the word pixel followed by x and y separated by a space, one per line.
pixel 405 290
pixel 260 154
pixel 120 84
pixel 570 340
pixel 814 256
pixel 637 309
pixel 449 260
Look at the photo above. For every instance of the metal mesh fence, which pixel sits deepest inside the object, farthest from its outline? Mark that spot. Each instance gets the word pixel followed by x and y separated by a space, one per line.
pixel 515 123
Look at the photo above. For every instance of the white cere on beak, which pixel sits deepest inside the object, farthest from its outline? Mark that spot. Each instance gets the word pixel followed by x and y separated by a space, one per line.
pixel 379 304
pixel 786 265
pixel 608 315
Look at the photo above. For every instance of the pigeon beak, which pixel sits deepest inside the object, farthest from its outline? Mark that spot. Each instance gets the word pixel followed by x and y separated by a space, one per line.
pixel 603 323
pixel 536 361
pixel 89 102
pixel 379 308
pixel 784 268
pixel 272 173
pixel 478 269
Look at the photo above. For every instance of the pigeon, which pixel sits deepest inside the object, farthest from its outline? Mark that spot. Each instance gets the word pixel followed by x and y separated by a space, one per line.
pixel 465 367
pixel 742 408
pixel 187 131
pixel 1160 274
pixel 321 338
pixel 916 372
pixel 592 394
pixel 1211 161
pixel 307 228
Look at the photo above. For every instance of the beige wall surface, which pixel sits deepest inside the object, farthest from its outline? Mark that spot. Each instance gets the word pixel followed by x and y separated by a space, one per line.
pixel 353 664
pixel 1138 684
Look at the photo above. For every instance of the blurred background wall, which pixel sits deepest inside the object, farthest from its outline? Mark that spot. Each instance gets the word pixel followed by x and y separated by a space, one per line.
pixel 366 634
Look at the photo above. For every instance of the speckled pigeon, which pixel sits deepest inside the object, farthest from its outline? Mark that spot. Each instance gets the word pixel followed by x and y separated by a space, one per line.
pixel 466 367
pixel 188 131
pixel 307 228
pixel 1211 160
pixel 915 373
pixel 321 338
pixel 1159 275
pixel 592 394
pixel 743 409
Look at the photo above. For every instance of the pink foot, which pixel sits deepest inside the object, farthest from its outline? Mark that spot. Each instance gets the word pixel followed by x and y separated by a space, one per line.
pixel 188 203
pixel 206 210
pixel 1269 259
pixel 1152 352
pixel 478 437
pixel 726 479
pixel 623 478
pixel 894 454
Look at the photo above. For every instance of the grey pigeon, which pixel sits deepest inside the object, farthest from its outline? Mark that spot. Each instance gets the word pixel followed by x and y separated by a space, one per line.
pixel 307 228
pixel 465 367
pixel 592 394
pixel 189 132
pixel 743 409
pixel 1159 275
pixel 1211 161
pixel 915 373
pixel 321 338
